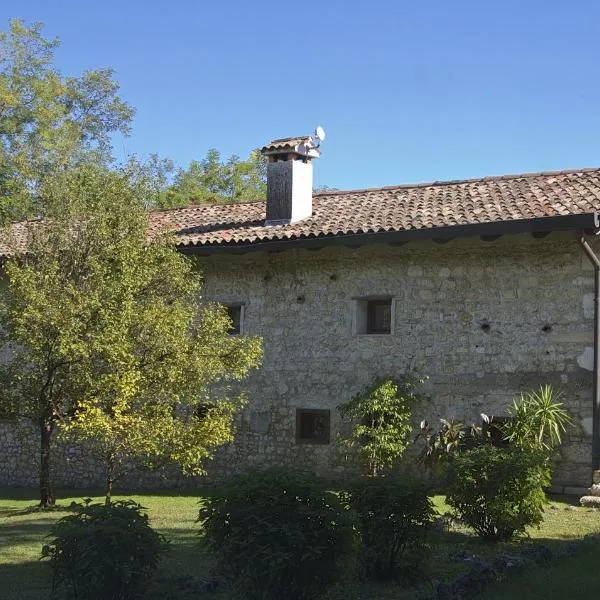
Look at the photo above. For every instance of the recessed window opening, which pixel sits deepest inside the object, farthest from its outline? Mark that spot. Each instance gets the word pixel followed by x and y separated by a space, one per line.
pixel 235 313
pixel 312 426
pixel 373 316
pixel 379 316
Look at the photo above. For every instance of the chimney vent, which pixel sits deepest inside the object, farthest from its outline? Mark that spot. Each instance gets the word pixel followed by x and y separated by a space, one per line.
pixel 290 178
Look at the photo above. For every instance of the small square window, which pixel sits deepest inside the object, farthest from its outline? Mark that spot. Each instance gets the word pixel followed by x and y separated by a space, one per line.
pixel 379 316
pixel 374 316
pixel 312 426
pixel 234 312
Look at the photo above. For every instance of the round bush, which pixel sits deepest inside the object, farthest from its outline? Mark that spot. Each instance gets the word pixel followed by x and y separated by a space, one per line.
pixel 395 515
pixel 103 552
pixel 278 534
pixel 498 491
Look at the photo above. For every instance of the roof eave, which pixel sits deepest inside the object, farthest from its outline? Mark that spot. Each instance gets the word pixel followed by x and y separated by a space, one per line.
pixel 585 222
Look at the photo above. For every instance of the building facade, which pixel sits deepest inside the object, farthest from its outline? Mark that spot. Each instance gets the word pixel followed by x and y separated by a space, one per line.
pixel 484 286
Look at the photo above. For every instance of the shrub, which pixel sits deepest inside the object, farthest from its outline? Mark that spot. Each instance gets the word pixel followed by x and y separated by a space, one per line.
pixel 103 551
pixel 498 491
pixel 382 422
pixel 395 516
pixel 453 437
pixel 279 535
pixel 537 420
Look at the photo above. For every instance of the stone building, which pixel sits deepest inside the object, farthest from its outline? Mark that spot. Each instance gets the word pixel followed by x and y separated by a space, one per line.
pixel 486 286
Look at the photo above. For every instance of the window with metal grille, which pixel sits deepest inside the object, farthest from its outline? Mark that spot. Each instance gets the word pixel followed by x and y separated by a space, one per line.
pixel 312 426
pixel 379 316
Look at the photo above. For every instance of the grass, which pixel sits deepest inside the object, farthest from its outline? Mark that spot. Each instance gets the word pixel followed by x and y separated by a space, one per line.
pixel 23 530
pixel 574 579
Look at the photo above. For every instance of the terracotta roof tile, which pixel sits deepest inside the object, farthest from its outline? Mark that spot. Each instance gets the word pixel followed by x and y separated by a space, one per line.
pixel 400 208
pixel 397 208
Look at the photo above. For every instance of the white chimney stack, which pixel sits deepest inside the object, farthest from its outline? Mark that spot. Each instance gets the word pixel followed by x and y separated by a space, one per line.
pixel 290 178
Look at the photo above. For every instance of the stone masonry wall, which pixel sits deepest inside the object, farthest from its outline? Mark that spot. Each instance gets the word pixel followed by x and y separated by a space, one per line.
pixel 484 320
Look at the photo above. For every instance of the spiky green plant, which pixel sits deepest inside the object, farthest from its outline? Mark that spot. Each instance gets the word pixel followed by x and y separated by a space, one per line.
pixel 538 419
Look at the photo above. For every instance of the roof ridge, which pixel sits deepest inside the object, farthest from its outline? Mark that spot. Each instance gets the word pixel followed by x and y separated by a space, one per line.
pixel 402 186
pixel 205 205
pixel 439 183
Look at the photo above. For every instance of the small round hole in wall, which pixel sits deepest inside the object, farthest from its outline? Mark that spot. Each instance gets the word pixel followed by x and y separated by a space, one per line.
pixel 547 328
pixel 485 326
pixel 268 277
pixel 301 299
pixel 333 277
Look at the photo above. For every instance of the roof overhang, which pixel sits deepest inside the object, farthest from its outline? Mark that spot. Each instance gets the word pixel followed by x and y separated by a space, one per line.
pixel 586 223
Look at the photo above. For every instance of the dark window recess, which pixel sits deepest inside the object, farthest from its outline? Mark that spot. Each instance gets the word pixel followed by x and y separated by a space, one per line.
pixel 379 316
pixel 235 314
pixel 312 426
pixel 494 429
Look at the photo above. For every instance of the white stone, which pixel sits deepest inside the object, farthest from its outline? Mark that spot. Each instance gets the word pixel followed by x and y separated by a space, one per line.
pixel 590 501
pixel 587 425
pixel 586 359
pixel 588 306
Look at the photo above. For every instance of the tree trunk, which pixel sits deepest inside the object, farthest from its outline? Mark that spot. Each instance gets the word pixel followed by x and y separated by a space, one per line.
pixel 46 494
pixel 110 478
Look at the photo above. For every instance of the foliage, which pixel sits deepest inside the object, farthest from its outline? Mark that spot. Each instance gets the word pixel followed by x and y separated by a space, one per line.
pixel 109 335
pixel 381 419
pixel 188 562
pixel 498 491
pixel 537 420
pixel 395 516
pixel 49 122
pixel 452 437
pixel 214 180
pixel 104 552
pixel 279 534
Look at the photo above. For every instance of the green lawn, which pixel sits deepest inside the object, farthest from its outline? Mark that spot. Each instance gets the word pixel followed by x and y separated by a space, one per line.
pixel 23 529
pixel 24 577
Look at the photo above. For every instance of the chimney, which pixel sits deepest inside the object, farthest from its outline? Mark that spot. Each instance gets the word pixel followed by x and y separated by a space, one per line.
pixel 290 178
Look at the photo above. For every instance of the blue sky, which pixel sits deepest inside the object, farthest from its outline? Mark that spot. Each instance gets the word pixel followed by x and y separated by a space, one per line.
pixel 406 91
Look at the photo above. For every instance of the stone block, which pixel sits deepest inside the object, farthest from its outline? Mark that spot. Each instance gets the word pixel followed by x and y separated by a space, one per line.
pixel 590 501
pixel 594 490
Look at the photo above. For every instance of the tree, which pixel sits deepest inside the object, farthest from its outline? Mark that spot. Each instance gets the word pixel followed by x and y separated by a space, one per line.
pixel 213 180
pixel 110 341
pixel 48 121
pixel 381 418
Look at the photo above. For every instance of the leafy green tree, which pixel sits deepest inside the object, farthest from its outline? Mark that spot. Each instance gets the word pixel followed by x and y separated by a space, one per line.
pixel 214 180
pixel 110 341
pixel 381 422
pixel 48 121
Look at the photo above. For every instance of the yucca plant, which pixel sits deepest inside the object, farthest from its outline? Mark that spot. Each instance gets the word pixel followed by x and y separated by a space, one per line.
pixel 537 420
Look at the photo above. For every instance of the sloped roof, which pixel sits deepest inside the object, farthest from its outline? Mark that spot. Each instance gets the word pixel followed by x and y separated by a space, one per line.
pixel 427 208
pixel 489 204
